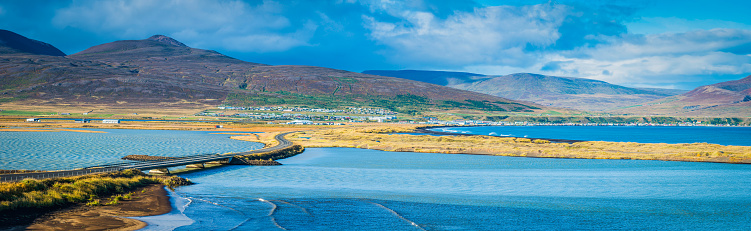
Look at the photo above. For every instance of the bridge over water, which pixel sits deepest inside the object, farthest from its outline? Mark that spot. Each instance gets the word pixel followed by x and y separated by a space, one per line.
pixel 199 159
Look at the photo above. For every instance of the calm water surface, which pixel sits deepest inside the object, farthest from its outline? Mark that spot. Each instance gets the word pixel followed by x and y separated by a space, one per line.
pixel 641 134
pixel 353 189
pixel 67 150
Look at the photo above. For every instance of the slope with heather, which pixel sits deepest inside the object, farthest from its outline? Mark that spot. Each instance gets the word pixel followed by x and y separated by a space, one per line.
pixel 576 93
pixel 731 98
pixel 162 72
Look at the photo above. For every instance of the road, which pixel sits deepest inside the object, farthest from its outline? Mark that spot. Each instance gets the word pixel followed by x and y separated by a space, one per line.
pixel 283 143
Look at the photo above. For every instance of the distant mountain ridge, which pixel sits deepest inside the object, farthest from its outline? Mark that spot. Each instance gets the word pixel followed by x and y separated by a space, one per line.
pixel 730 98
pixel 577 93
pixel 10 43
pixel 161 70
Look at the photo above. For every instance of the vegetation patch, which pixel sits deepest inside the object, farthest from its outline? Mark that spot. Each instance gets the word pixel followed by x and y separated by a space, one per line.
pixel 267 158
pixel 24 113
pixel 22 202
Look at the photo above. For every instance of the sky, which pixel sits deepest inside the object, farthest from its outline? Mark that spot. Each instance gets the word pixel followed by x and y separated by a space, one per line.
pixel 635 43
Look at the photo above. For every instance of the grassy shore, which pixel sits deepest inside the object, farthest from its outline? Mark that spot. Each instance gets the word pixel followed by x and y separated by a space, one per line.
pixel 377 138
pixel 22 202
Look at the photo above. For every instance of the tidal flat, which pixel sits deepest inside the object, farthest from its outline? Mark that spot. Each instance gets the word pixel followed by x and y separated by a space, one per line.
pixel 386 138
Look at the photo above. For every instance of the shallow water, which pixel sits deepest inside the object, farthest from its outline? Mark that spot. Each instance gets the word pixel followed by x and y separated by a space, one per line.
pixel 641 134
pixel 67 150
pixel 172 220
pixel 353 189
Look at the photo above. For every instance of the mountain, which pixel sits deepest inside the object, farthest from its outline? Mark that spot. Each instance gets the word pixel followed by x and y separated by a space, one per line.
pixel 12 43
pixel 162 72
pixel 577 93
pixel 731 98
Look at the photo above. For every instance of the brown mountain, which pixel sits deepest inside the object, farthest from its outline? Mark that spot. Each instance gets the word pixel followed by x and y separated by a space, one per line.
pixel 577 93
pixel 160 71
pixel 12 43
pixel 731 98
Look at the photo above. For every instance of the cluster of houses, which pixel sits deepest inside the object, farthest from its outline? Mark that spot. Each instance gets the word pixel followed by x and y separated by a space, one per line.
pixel 300 116
pixel 104 121
pixel 349 110
pixel 308 122
pixel 432 120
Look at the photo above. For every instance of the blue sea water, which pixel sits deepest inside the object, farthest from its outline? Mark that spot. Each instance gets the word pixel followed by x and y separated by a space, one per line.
pixel 354 189
pixel 68 150
pixel 641 134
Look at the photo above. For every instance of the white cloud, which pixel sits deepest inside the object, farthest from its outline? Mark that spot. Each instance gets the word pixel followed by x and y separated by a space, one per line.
pixel 488 35
pixel 209 24
pixel 694 42
pixel 415 34
pixel 666 60
pixel 495 40
pixel 655 69
pixel 652 25
pixel 658 58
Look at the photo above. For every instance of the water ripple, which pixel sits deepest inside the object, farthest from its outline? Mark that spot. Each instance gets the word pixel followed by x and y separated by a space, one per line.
pixel 67 150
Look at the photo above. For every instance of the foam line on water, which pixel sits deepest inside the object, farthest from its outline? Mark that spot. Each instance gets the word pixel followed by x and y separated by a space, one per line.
pixel 273 206
pixel 237 211
pixel 271 213
pixel 182 209
pixel 397 215
pixel 294 205
pixel 241 223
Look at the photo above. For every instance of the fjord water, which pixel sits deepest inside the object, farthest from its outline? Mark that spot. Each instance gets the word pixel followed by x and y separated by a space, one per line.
pixel 640 134
pixel 68 150
pixel 354 189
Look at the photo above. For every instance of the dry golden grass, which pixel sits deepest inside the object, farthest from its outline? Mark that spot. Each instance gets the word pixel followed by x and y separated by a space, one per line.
pixel 82 131
pixel 374 138
pixel 264 138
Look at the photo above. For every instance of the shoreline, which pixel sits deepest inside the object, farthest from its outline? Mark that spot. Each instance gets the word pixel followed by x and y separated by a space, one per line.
pixel 151 200
pixel 381 138
pixel 427 131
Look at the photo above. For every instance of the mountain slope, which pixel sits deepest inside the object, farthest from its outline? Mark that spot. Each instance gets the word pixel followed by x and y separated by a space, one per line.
pixel 577 93
pixel 731 98
pixel 162 71
pixel 11 43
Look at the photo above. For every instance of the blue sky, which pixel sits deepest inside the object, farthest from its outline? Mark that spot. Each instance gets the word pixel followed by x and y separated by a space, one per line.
pixel 670 44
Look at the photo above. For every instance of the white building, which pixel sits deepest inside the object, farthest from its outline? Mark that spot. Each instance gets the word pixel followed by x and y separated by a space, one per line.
pixel 300 122
pixel 110 121
pixel 32 120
